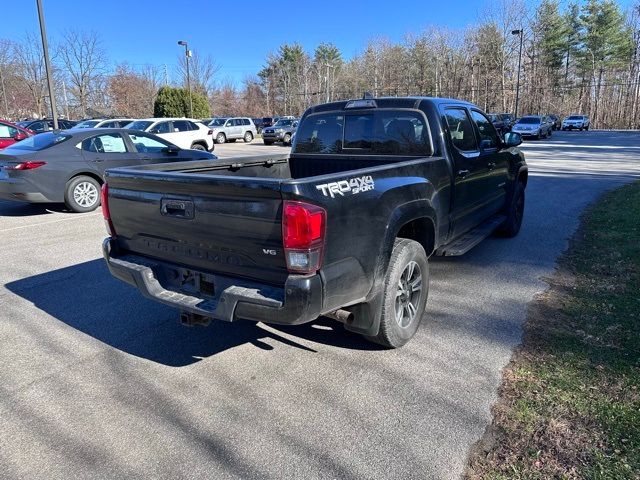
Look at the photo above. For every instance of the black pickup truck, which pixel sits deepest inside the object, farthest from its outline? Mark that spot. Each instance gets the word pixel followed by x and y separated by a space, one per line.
pixel 341 227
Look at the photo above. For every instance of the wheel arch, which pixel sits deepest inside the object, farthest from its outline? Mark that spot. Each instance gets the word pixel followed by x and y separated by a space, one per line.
pixel 93 175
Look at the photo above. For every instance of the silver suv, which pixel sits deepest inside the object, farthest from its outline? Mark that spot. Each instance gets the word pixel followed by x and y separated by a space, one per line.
pixel 232 129
pixel 282 131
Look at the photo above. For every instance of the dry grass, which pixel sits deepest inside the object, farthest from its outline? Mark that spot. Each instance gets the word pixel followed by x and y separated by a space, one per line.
pixel 570 399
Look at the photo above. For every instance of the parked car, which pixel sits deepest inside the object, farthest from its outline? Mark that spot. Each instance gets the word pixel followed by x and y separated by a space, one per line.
pixel 535 126
pixel 499 122
pixel 259 123
pixel 556 121
pixel 183 132
pixel 509 119
pixel 68 166
pixel 105 123
pixel 232 129
pixel 267 121
pixel 579 122
pixel 342 226
pixel 45 125
pixel 11 133
pixel 282 131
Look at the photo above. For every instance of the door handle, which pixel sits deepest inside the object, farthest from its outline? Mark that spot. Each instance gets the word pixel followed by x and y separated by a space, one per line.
pixel 463 173
pixel 96 160
pixel 491 165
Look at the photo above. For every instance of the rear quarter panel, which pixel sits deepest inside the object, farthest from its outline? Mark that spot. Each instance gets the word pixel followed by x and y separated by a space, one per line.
pixel 362 223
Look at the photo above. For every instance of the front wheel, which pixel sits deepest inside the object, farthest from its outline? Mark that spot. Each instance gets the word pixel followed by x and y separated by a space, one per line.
pixel 82 194
pixel 515 213
pixel 404 297
pixel 248 137
pixel 287 139
pixel 221 138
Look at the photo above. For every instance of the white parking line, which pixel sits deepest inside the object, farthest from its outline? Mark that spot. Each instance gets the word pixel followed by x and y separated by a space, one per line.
pixel 74 217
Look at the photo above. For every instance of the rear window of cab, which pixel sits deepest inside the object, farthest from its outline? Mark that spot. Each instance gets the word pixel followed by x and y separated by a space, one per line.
pixel 379 132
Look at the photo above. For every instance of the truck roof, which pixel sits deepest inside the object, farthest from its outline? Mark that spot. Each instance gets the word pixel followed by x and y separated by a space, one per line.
pixel 390 102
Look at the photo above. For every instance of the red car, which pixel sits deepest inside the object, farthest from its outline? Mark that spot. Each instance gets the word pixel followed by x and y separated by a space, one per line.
pixel 11 133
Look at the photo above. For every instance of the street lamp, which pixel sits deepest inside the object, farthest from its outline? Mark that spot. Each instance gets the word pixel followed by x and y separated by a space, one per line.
pixel 187 54
pixel 47 65
pixel 518 32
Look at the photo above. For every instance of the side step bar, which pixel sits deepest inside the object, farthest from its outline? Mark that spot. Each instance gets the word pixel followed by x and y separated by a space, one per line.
pixel 466 242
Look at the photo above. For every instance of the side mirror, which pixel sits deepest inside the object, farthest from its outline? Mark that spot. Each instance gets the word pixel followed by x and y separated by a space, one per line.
pixel 512 139
pixel 171 150
pixel 19 136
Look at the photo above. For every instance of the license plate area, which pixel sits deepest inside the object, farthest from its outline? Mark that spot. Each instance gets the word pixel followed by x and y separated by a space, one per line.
pixel 186 281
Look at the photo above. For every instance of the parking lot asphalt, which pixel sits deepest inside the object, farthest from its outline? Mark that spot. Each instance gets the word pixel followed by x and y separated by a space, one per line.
pixel 97 382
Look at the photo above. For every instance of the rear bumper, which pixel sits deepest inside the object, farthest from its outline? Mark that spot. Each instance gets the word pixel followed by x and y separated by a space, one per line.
pixel 20 190
pixel 528 133
pixel 299 301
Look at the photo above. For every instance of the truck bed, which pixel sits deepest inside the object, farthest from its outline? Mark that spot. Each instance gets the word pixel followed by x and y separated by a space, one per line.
pixel 225 217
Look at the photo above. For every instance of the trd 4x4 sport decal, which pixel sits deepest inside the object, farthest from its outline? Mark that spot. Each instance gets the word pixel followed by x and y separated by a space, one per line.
pixel 342 187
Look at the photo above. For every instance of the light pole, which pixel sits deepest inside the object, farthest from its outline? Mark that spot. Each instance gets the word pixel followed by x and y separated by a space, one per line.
pixel 187 54
pixel 47 65
pixel 518 32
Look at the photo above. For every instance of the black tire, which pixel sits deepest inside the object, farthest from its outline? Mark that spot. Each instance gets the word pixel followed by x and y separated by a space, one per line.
pixel 515 213
pixel 221 138
pixel 248 137
pixel 268 142
pixel 197 146
pixel 286 140
pixel 82 194
pixel 586 128
pixel 408 265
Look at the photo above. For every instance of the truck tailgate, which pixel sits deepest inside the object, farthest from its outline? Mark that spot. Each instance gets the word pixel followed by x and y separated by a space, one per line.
pixel 229 225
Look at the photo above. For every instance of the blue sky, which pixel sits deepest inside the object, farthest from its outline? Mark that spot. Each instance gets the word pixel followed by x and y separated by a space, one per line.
pixel 239 38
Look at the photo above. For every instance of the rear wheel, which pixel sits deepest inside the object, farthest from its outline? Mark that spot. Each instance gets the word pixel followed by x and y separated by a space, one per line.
pixel 197 146
pixel 82 194
pixel 406 288
pixel 248 137
pixel 221 138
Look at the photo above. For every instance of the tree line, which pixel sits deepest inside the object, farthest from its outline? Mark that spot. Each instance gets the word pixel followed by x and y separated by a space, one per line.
pixel 583 57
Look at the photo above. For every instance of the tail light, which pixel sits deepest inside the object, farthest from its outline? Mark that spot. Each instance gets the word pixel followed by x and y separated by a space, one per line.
pixel 303 233
pixel 106 214
pixel 25 166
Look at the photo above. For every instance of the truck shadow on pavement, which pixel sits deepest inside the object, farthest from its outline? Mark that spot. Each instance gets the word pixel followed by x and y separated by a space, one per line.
pixel 20 209
pixel 87 298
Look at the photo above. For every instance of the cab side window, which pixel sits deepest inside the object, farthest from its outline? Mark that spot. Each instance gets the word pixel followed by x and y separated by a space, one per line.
pixel 461 130
pixel 488 135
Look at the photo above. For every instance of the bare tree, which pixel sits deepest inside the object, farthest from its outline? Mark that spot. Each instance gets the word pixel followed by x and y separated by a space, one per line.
pixel 202 69
pixel 132 93
pixel 85 64
pixel 29 64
